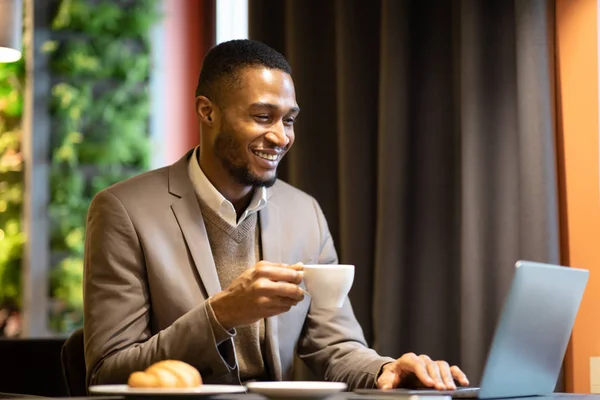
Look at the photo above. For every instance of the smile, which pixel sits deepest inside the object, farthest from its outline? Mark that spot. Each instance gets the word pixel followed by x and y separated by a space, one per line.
pixel 265 156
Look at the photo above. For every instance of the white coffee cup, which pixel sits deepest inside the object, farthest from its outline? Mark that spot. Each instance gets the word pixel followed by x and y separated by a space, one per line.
pixel 328 284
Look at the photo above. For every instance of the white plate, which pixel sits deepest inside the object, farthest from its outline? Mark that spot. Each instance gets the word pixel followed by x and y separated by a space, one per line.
pixel 203 390
pixel 293 389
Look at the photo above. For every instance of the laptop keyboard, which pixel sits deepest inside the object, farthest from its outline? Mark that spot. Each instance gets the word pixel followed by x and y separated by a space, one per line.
pixel 460 393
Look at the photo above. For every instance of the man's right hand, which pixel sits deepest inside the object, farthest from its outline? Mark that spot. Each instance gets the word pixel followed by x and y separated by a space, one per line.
pixel 265 290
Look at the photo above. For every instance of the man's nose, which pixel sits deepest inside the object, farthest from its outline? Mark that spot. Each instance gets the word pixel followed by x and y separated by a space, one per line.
pixel 277 135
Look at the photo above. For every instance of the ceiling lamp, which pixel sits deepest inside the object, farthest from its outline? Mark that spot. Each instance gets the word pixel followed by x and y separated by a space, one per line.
pixel 11 30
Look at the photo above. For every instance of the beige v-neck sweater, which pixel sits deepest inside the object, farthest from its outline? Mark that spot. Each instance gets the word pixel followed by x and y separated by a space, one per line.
pixel 235 249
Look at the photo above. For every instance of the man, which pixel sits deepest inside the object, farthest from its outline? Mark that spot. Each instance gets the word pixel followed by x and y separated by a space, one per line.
pixel 173 264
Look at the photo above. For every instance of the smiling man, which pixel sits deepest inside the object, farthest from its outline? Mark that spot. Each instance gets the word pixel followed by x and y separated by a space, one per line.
pixel 201 261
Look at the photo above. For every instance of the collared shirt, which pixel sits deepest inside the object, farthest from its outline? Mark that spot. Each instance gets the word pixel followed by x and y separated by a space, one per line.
pixel 216 201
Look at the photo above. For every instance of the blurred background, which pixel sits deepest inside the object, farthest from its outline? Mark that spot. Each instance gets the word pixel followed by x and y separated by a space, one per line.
pixel 444 140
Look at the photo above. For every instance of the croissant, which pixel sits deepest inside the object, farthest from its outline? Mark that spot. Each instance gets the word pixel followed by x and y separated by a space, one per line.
pixel 166 374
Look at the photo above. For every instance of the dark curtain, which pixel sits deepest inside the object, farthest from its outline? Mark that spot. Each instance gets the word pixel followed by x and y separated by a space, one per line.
pixel 427 136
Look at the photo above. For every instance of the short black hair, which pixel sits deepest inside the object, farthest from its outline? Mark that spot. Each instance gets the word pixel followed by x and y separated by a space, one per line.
pixel 223 63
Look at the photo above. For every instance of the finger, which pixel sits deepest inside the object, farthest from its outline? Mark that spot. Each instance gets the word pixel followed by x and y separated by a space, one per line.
pixel 444 369
pixel 388 380
pixel 288 291
pixel 276 306
pixel 273 302
pixel 268 288
pixel 284 302
pixel 459 375
pixel 410 363
pixel 297 267
pixel 270 263
pixel 434 372
pixel 278 273
pixel 278 310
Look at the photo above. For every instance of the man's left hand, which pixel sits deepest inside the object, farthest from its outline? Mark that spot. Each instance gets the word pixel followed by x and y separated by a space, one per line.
pixel 412 371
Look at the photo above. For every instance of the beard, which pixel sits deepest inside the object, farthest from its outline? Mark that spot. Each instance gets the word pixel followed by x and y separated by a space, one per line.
pixel 229 151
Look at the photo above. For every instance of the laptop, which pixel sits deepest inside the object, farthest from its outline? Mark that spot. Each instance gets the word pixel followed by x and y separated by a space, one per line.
pixel 531 336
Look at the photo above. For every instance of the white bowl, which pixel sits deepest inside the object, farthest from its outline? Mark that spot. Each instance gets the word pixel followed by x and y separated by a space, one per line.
pixel 296 389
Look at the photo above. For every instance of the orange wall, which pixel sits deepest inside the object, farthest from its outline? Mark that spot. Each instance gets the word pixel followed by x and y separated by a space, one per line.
pixel 187 24
pixel 577 144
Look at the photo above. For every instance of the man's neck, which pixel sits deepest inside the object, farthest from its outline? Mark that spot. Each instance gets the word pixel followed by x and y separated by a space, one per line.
pixel 239 195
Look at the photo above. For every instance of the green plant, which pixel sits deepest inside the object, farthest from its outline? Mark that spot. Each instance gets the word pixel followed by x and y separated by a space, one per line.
pixel 100 61
pixel 12 77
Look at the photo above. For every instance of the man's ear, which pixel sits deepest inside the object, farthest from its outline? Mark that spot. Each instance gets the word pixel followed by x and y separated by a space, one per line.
pixel 205 109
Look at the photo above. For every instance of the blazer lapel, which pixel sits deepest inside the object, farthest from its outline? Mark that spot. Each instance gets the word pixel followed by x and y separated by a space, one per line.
pixel 271 250
pixel 188 214
pixel 189 217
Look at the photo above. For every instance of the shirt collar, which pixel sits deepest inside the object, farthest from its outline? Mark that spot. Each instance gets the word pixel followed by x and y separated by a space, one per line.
pixel 206 191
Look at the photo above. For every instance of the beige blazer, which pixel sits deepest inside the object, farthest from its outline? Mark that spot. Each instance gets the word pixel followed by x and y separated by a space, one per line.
pixel 149 272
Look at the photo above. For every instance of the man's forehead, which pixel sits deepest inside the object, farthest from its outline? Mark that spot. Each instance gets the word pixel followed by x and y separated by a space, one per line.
pixel 265 76
pixel 267 86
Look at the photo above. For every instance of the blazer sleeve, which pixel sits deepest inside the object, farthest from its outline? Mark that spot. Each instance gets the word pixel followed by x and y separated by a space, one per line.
pixel 332 343
pixel 117 308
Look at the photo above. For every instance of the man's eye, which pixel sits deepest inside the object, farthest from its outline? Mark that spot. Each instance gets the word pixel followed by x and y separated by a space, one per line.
pixel 262 117
pixel 289 121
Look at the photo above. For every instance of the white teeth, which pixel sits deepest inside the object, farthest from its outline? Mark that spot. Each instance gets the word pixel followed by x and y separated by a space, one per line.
pixel 270 157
